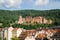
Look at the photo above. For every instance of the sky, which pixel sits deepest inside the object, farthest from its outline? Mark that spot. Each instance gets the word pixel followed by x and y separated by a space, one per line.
pixel 29 4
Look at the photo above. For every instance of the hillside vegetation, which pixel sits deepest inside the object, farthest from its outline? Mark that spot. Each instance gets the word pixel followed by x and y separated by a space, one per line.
pixel 8 17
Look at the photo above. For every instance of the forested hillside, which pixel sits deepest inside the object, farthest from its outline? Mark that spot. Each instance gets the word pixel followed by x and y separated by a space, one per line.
pixel 7 17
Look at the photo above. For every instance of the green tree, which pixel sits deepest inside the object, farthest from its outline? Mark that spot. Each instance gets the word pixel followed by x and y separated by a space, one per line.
pixel 15 38
pixel 0 38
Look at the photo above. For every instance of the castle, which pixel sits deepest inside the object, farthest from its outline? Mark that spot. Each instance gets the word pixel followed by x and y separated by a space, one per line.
pixel 29 19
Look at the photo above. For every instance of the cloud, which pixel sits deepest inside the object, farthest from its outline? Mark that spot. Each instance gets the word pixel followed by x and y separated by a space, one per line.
pixel 41 2
pixel 30 0
pixel 10 3
pixel 56 0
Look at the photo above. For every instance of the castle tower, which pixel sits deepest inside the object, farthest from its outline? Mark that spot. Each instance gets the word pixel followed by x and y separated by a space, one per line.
pixel 20 20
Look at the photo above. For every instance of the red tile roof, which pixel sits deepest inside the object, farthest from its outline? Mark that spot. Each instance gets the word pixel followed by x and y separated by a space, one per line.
pixel 41 35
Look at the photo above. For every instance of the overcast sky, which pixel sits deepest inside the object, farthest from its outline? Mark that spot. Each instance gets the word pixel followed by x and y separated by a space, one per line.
pixel 29 4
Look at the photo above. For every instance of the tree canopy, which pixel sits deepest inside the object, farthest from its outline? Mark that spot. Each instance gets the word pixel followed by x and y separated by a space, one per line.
pixel 7 17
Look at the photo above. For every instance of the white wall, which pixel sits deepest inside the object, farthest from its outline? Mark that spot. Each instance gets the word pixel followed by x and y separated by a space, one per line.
pixel 19 32
pixel 10 33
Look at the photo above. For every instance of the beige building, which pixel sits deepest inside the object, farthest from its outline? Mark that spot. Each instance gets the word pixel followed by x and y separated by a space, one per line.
pixel 8 33
pixel 31 20
pixel 1 34
pixel 20 20
pixel 16 32
pixel 12 32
